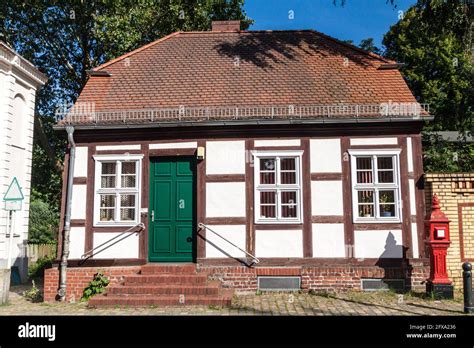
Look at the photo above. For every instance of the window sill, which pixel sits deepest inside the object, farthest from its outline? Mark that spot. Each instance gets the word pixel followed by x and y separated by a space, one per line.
pixel 379 221
pixel 116 224
pixel 279 222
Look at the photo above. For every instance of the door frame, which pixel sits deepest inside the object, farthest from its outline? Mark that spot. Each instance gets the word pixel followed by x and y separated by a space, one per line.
pixel 178 155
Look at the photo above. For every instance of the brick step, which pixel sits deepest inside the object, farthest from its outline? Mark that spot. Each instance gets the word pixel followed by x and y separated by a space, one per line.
pixel 212 288
pixel 164 300
pixel 168 268
pixel 165 279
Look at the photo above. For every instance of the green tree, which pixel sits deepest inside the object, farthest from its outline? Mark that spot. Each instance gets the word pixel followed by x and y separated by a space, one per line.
pixel 65 39
pixel 44 220
pixel 434 40
pixel 369 45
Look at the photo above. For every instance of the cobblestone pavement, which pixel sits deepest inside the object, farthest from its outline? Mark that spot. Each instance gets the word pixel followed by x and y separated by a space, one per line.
pixel 350 303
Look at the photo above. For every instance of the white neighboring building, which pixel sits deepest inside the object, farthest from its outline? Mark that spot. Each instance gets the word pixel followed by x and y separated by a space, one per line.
pixel 19 81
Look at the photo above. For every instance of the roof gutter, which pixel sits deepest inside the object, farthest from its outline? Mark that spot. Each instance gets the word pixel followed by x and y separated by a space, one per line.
pixel 245 122
pixel 67 219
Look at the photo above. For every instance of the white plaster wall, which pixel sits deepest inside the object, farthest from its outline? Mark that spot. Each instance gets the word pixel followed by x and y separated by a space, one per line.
pixel 277 142
pixel 118 147
pixel 225 199
pixel 328 240
pixel 374 141
pixel 411 187
pixel 217 247
pixel 225 157
pixel 79 199
pixel 326 197
pixel 414 240
pixel 177 145
pixel 77 241
pixel 125 249
pixel 279 243
pixel 373 244
pixel 409 155
pixel 80 164
pixel 325 155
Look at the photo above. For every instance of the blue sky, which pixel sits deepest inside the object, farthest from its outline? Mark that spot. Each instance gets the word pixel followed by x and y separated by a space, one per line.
pixel 357 20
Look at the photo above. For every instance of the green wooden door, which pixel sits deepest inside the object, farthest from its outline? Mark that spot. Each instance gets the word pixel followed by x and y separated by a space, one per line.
pixel 172 209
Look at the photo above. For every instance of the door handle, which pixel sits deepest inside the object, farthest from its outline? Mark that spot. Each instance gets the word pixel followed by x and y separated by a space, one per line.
pixel 152 215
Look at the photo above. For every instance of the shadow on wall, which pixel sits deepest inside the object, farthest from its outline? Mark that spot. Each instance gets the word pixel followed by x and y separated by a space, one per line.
pixel 243 262
pixel 395 271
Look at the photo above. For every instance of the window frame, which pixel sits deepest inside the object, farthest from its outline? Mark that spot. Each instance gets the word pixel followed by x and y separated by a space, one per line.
pixel 117 190
pixel 376 186
pixel 278 187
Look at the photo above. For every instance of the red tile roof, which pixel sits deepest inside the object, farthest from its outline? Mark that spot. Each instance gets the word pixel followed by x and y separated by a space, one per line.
pixel 246 68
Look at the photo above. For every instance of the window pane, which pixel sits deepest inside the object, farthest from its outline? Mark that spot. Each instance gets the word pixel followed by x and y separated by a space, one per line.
pixel 267 197
pixel 267 178
pixel 107 182
pixel 288 178
pixel 288 163
pixel 366 203
pixel 364 170
pixel 127 214
pixel 289 204
pixel 106 214
pixel 364 163
pixel 107 201
pixel 268 211
pixel 128 181
pixel 385 176
pixel 267 171
pixel 267 164
pixel 129 168
pixel 268 204
pixel 288 197
pixel 385 162
pixel 387 203
pixel 107 207
pixel 108 168
pixel 127 201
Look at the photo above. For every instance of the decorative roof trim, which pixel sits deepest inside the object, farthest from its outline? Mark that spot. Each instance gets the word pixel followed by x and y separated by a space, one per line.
pixel 11 57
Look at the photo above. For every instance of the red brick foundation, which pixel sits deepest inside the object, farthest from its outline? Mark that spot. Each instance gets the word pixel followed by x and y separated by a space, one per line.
pixel 240 278
pixel 79 277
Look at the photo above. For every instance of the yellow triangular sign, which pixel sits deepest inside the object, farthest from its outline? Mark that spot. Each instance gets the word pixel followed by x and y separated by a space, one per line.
pixel 14 192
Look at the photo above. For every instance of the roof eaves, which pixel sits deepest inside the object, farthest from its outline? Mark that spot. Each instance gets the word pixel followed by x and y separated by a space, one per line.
pixel 126 55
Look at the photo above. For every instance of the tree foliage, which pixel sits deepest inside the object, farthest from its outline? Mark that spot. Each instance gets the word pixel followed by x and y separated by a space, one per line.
pixel 43 221
pixel 64 39
pixel 434 40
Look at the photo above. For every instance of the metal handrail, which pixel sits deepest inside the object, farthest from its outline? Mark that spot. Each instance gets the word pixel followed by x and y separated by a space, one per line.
pixel 201 225
pixel 87 255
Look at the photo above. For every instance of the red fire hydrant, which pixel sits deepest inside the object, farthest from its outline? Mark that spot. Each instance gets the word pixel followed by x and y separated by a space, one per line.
pixel 437 223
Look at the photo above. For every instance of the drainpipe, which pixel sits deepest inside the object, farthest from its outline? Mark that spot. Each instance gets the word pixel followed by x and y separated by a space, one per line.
pixel 67 219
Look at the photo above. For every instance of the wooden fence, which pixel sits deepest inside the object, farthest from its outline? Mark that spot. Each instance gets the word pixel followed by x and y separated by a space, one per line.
pixel 36 251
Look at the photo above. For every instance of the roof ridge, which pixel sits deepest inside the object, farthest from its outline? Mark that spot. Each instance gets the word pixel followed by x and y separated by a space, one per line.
pixel 126 55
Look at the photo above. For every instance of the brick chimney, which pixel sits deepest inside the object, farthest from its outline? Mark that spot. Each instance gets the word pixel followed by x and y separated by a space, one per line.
pixel 225 25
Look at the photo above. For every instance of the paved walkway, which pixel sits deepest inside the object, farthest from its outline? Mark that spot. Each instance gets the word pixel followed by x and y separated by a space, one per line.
pixel 351 303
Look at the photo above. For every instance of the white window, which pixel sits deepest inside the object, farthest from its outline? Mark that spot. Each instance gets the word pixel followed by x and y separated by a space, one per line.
pixel 278 187
pixel 375 185
pixel 117 190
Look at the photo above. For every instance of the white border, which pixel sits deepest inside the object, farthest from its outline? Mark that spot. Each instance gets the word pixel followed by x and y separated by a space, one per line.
pixel 376 220
pixel 126 157
pixel 299 185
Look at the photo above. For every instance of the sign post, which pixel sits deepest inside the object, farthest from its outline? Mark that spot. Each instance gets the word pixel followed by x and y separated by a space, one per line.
pixel 13 199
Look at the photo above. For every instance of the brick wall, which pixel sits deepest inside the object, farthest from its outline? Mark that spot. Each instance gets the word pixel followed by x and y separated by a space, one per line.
pixel 240 278
pixel 79 277
pixel 321 278
pixel 456 194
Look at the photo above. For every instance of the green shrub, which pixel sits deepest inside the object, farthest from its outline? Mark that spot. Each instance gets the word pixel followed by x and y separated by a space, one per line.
pixel 96 286
pixel 44 221
pixel 34 294
pixel 36 270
